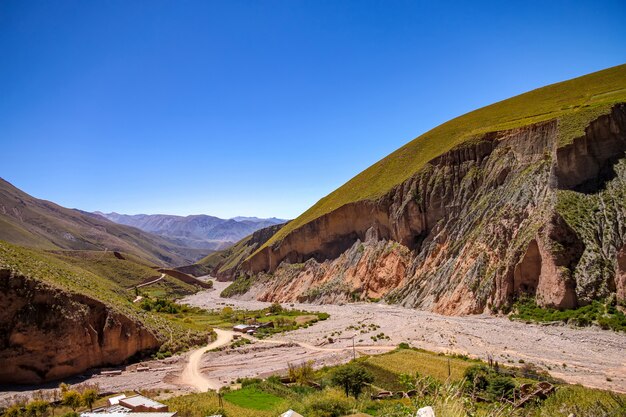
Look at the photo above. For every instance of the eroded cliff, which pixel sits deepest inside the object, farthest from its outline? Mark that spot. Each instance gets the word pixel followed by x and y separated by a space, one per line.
pixel 47 333
pixel 508 213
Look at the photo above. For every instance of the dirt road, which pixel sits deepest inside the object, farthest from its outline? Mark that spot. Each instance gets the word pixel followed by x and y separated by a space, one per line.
pixel 192 375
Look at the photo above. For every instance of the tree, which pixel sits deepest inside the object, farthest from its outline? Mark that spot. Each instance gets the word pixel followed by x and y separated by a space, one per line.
pixel 89 397
pixel 37 408
pixel 301 374
pixel 352 378
pixel 72 399
pixel 227 312
pixel 14 411
pixel 276 308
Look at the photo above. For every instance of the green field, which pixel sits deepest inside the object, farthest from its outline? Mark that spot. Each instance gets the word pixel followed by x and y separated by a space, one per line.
pixel 194 318
pixel 254 399
pixel 450 397
pixel 411 361
pixel 574 103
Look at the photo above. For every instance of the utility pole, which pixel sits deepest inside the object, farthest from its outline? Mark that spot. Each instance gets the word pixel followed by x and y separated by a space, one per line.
pixel 353 348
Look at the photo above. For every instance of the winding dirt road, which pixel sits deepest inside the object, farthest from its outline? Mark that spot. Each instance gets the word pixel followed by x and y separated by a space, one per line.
pixel 192 375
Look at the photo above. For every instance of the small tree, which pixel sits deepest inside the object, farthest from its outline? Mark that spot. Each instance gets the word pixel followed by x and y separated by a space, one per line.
pixel 55 397
pixel 301 374
pixel 37 408
pixel 89 397
pixel 227 312
pixel 14 411
pixel 276 308
pixel 72 399
pixel 352 378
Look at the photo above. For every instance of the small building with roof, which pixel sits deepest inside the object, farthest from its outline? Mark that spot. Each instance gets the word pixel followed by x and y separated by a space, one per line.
pixel 139 403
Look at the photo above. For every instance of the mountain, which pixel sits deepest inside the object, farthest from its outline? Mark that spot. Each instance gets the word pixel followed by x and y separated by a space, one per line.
pixel 226 264
pixel 522 198
pixel 197 231
pixel 64 312
pixel 28 221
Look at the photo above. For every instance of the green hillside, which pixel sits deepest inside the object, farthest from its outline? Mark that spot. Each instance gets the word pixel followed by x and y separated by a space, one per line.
pixel 100 276
pixel 227 261
pixel 127 272
pixel 574 103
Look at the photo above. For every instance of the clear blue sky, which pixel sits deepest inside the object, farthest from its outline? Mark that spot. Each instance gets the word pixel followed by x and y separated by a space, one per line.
pixel 260 107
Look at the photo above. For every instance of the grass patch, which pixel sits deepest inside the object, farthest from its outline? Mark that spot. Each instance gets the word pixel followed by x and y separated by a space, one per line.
pixel 126 272
pixel 240 285
pixel 253 399
pixel 198 319
pixel 605 315
pixel 207 404
pixel 410 361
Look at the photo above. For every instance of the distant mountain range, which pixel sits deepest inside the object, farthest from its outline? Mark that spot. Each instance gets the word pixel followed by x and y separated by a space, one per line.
pixel 196 231
pixel 29 221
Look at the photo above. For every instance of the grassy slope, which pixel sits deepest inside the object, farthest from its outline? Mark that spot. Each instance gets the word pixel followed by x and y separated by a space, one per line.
pixel 75 272
pixel 126 272
pixel 574 102
pixel 228 258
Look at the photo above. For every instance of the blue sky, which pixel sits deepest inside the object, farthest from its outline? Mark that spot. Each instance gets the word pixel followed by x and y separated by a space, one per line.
pixel 260 107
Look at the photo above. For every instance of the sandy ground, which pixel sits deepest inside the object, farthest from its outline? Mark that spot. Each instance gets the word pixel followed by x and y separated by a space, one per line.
pixel 588 356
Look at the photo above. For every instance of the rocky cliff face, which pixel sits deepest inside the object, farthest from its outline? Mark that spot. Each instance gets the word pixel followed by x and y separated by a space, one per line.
pixel 508 213
pixel 47 333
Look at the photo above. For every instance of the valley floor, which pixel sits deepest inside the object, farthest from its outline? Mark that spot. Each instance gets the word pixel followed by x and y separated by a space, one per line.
pixel 588 356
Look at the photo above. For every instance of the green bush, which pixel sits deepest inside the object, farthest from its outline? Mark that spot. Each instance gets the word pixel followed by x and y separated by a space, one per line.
pixel 327 404
pixel 605 315
pixel 352 378
pixel 484 380
pixel 501 387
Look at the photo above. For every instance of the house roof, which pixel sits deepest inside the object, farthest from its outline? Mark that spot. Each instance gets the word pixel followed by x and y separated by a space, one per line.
pixel 291 413
pixel 116 400
pixel 140 400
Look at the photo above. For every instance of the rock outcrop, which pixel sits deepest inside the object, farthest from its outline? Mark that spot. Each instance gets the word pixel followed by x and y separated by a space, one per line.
pixel 47 333
pixel 509 213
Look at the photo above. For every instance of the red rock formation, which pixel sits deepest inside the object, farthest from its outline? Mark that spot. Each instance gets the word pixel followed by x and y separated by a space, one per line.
pixel 48 333
pixel 480 223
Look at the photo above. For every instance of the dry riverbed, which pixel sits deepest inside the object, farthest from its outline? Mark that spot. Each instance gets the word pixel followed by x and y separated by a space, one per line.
pixel 589 356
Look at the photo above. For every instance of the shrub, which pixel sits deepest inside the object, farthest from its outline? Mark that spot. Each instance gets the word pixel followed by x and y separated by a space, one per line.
pixel 352 378
pixel 501 387
pixel 276 308
pixel 72 399
pixel 246 382
pixel 302 373
pixel 479 378
pixel 327 404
